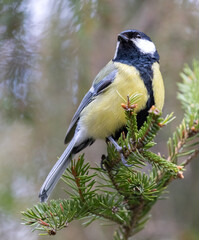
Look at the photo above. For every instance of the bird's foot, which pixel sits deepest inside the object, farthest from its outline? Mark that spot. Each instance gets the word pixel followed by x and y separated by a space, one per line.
pixel 124 161
pixel 120 150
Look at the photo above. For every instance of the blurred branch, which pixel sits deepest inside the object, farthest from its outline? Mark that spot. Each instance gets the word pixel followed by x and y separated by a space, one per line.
pixel 17 58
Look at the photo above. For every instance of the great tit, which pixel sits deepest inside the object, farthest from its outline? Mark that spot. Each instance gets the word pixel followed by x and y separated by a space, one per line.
pixel 134 69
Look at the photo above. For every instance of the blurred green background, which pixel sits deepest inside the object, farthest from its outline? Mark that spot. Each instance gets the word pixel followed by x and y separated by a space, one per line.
pixel 50 51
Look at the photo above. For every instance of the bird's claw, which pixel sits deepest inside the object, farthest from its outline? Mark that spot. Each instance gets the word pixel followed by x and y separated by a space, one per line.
pixel 124 161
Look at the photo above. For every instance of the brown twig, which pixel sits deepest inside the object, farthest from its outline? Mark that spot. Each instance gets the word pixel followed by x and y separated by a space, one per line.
pixel 135 213
pixel 77 181
pixel 193 155
pixel 187 133
pixel 135 210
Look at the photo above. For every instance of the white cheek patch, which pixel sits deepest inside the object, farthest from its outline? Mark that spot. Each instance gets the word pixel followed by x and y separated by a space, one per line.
pixel 145 46
pixel 118 43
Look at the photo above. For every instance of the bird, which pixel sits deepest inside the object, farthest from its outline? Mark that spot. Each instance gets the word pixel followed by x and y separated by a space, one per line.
pixel 134 69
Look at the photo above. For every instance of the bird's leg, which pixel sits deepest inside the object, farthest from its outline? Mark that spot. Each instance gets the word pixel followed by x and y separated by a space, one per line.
pixel 119 149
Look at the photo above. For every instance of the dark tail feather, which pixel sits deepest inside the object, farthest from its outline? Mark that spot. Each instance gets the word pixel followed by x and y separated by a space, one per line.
pixel 56 172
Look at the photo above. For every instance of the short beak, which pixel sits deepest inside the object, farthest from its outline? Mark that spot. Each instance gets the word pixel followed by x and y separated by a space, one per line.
pixel 122 37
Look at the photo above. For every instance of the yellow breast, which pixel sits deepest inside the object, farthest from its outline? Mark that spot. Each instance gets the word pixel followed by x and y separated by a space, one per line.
pixel 104 115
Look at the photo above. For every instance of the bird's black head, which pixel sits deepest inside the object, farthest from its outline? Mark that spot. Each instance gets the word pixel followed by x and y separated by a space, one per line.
pixel 134 46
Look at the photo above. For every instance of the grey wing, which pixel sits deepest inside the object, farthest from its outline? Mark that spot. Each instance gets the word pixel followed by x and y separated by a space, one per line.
pixel 71 129
pixel 97 88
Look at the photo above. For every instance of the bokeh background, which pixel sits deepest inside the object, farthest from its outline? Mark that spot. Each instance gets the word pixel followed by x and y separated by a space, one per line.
pixel 50 51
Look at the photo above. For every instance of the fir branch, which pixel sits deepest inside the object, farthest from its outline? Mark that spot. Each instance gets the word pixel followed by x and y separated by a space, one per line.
pixel 161 162
pixel 188 130
pixel 118 193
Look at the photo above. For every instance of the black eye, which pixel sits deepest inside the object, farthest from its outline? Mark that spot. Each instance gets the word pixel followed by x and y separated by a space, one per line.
pixel 138 36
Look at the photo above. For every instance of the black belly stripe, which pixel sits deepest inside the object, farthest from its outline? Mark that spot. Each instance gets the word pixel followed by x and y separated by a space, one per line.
pixel 147 76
